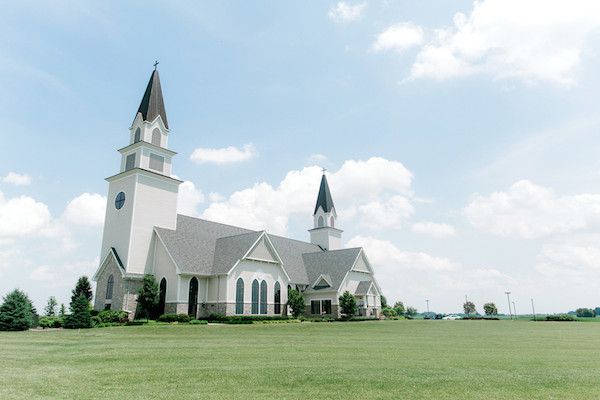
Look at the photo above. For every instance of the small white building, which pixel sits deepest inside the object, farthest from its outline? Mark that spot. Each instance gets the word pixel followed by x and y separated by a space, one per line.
pixel 205 267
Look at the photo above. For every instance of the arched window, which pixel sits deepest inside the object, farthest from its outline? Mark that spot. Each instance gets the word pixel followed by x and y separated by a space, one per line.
pixel 109 287
pixel 193 297
pixel 277 298
pixel 263 297
pixel 255 297
pixel 156 137
pixel 332 222
pixel 138 135
pixel 239 296
pixel 321 222
pixel 162 297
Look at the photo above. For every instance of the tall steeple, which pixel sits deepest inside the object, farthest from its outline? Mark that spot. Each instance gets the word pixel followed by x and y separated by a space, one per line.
pixel 152 104
pixel 324 233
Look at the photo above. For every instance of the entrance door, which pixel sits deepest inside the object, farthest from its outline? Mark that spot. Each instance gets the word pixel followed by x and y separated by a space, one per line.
pixel 193 297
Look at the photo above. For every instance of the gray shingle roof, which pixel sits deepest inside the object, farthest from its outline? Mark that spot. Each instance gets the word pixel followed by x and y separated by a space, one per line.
pixel 208 248
pixel 152 104
pixel 363 288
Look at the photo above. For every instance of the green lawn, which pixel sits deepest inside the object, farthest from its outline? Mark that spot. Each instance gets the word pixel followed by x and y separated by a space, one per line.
pixel 356 360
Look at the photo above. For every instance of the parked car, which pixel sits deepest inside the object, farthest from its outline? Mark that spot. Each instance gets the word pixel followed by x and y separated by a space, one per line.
pixel 452 317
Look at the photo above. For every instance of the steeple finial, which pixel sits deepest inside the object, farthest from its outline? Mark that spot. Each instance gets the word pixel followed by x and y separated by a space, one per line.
pixel 152 104
pixel 155 64
pixel 324 170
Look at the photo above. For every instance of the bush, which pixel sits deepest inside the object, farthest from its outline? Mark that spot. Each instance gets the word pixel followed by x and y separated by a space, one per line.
pixel 50 322
pixel 148 296
pixel 183 318
pixel 247 319
pixel 296 302
pixel 389 312
pixel 113 316
pixel 198 322
pixel 348 304
pixel 560 317
pixel 16 313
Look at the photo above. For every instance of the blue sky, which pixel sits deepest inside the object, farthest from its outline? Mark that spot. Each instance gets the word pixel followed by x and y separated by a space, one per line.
pixel 461 139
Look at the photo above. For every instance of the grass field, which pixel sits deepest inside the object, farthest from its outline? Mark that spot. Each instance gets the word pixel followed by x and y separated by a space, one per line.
pixel 357 360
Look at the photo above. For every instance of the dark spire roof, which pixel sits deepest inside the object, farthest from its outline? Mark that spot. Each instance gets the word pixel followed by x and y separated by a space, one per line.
pixel 324 199
pixel 152 104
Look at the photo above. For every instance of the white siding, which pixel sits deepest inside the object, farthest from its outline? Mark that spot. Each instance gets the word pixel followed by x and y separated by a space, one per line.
pixel 249 270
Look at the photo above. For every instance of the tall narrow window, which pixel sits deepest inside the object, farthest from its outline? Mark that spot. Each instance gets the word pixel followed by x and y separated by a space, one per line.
pixel 130 162
pixel 138 135
pixel 162 297
pixel 239 296
pixel 315 307
pixel 277 298
pixel 255 297
pixel 109 287
pixel 157 162
pixel 156 137
pixel 320 223
pixel 326 306
pixel 263 297
pixel 193 297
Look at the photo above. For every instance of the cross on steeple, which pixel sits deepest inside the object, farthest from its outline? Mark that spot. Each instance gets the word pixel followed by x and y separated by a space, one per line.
pixel 324 170
pixel 155 64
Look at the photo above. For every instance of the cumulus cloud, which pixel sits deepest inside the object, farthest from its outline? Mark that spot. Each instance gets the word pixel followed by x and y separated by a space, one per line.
pixel 346 12
pixel 87 209
pixel 189 198
pixel 316 159
pixel 22 216
pixel 17 179
pixel 355 184
pixel 532 41
pixel 530 211
pixel 399 37
pixel 434 229
pixel 226 155
pixel 385 214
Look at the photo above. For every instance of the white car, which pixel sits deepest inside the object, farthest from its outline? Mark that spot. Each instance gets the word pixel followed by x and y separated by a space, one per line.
pixel 452 317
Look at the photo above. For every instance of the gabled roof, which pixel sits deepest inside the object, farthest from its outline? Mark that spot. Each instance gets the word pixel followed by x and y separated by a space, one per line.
pixel 230 249
pixel 152 104
pixel 336 263
pixel 324 199
pixel 363 288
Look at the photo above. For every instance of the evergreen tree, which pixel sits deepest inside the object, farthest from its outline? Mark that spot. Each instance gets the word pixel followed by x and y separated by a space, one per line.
pixel 384 303
pixel 50 310
pixel 84 287
pixel 348 304
pixel 17 312
pixel 296 302
pixel 62 311
pixel 80 316
pixel 148 296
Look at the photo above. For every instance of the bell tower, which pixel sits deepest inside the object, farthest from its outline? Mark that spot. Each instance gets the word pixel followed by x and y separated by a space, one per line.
pixel 143 194
pixel 325 234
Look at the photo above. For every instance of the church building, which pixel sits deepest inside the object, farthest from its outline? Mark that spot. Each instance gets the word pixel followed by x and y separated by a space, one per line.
pixel 204 267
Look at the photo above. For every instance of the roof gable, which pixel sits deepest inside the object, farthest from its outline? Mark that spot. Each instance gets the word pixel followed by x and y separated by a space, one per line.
pixel 263 251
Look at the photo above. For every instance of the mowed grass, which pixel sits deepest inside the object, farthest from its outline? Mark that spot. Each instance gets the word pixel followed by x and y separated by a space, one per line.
pixel 357 360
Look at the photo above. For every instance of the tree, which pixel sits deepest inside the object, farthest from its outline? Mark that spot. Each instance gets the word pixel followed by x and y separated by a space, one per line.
pixel 585 313
pixel 348 304
pixel 399 308
pixel 490 309
pixel 63 310
pixel 296 302
pixel 469 307
pixel 383 300
pixel 148 296
pixel 80 316
pixel 16 313
pixel 410 311
pixel 84 287
pixel 389 312
pixel 50 310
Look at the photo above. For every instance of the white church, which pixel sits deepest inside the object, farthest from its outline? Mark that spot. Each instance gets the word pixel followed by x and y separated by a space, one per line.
pixel 204 267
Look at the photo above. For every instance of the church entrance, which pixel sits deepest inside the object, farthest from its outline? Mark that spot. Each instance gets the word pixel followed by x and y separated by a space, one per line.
pixel 193 297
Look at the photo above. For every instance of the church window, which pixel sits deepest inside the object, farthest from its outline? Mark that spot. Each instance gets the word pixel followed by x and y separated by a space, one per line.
pixel 263 297
pixel 321 222
pixel 326 306
pixel 157 162
pixel 120 200
pixel 193 297
pixel 130 162
pixel 109 287
pixel 138 135
pixel 156 137
pixel 255 297
pixel 162 297
pixel 315 307
pixel 239 296
pixel 332 222
pixel 277 298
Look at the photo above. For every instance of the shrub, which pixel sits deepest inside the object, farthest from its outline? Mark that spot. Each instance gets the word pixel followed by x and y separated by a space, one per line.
pixel 247 319
pixel 183 318
pixel 16 313
pixel 198 322
pixel 174 318
pixel 50 322
pixel 399 308
pixel 348 304
pixel 296 302
pixel 560 317
pixel 389 312
pixel 585 313
pixel 148 296
pixel 80 316
pixel 113 316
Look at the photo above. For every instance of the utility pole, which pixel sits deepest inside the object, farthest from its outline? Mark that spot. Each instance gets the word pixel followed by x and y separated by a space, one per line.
pixel 427 301
pixel 533 309
pixel 515 310
pixel 509 310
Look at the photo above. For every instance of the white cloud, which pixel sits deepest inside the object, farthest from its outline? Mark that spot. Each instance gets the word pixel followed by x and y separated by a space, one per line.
pixel 532 41
pixel 22 216
pixel 399 37
pixel 345 12
pixel 17 179
pixel 87 209
pixel 227 155
pixel 530 211
pixel 434 229
pixel 189 198
pixel 386 214
pixel 356 183
pixel 42 273
pixel 316 159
